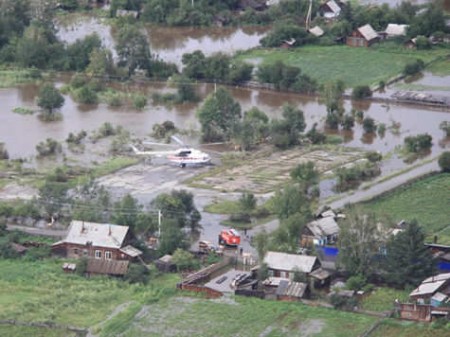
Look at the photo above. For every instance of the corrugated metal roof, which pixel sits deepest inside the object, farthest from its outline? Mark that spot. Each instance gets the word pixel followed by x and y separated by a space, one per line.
pixel 107 267
pixel 394 29
pixel 320 274
pixel 290 262
pixel 292 289
pixel 334 7
pixel 323 226
pixel 439 277
pixel 440 297
pixel 368 32
pixel 131 251
pixel 316 31
pixel 100 235
pixel 427 288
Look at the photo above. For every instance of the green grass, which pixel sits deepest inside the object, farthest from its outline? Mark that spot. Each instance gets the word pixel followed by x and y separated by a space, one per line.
pixel 421 87
pixel 223 207
pixel 395 328
pixel 14 77
pixel 382 299
pixel 40 291
pixel 245 317
pixel 354 66
pixel 24 331
pixel 440 68
pixel 426 200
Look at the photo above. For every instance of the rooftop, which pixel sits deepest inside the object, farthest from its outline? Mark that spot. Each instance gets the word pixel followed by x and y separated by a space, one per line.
pixel 290 262
pixel 98 235
pixel 323 226
pixel 368 32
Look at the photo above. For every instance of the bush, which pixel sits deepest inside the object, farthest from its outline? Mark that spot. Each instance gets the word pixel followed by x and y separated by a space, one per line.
pixel 374 156
pixel 343 302
pixel 369 125
pixel 444 161
pixel 137 273
pixel 356 282
pixel 48 148
pixel 86 95
pixel 419 143
pixel 361 92
pixel 184 260
pixel 413 68
pixel 76 139
pixel 139 101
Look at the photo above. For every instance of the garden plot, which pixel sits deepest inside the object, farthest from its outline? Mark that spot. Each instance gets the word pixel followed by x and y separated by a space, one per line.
pixel 265 174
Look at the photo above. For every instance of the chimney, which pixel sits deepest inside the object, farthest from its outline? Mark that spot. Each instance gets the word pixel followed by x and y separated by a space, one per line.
pixel 109 233
pixel 83 229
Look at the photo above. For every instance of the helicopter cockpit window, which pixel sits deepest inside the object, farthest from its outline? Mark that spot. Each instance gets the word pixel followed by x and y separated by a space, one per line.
pixel 184 153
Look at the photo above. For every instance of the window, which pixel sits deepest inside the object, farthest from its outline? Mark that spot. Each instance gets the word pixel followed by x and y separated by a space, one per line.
pixel 75 251
pixel 85 252
pixel 108 255
pixel 98 254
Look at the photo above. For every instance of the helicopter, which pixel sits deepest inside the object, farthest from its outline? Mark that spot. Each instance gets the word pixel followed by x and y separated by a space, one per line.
pixel 183 156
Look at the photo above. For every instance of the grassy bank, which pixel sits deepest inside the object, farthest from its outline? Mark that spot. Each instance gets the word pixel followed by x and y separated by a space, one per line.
pixel 13 77
pixel 245 317
pixel 426 200
pixel 382 299
pixel 354 66
pixel 24 331
pixel 394 328
pixel 41 292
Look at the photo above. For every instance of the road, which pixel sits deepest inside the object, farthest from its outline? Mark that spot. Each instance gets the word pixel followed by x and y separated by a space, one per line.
pixel 377 189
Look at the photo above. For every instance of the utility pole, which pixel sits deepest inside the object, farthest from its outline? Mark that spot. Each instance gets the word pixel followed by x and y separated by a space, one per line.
pixel 159 223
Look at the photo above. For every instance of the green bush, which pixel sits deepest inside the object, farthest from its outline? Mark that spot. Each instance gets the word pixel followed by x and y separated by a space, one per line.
pixel 86 95
pixel 361 92
pixel 356 282
pixel 139 101
pixel 418 143
pixel 444 161
pixel 413 68
pixel 48 148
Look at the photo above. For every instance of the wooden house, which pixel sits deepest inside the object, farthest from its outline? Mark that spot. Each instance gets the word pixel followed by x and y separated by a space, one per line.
pixel 96 241
pixel 363 36
pixel 322 231
pixel 285 265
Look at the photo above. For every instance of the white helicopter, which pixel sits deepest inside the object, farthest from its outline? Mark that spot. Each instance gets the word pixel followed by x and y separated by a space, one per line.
pixel 182 157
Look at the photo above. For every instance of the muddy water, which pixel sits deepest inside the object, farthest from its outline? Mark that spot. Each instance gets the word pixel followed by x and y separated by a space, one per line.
pixel 169 44
pixel 22 133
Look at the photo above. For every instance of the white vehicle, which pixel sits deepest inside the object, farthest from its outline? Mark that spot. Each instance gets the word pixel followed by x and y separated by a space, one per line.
pixel 183 156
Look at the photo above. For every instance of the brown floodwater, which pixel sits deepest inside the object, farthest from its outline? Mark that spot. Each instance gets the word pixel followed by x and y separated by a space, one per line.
pixel 21 133
pixel 169 43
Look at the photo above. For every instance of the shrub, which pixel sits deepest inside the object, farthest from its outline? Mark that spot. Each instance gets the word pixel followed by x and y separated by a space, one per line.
pixel 77 81
pixel 139 101
pixel 418 143
pixel 413 68
pixel 137 273
pixel 86 95
pixel 343 302
pixel 361 92
pixel 369 125
pixel 445 126
pixel 76 139
pixel 184 260
pixel 444 161
pixel 374 156
pixel 48 148
pixel 356 282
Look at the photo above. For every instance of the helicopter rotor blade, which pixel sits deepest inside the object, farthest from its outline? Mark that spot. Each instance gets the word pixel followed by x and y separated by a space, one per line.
pixel 178 140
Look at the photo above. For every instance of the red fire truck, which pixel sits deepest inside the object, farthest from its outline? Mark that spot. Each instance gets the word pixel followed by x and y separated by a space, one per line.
pixel 229 237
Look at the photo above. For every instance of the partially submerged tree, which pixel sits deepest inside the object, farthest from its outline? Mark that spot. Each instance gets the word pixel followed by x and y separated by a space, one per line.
pixel 49 98
pixel 444 161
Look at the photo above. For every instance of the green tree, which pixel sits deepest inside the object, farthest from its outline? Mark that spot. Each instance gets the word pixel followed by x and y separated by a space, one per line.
pixel 80 51
pixel 361 92
pixel 184 260
pixel 261 242
pixel 53 199
pixel 218 115
pixel 369 125
pixel 172 237
pixel 194 65
pixel 286 132
pixel 305 174
pixel 247 202
pixel 291 200
pixel 132 49
pixel 360 239
pixel 126 212
pixel 408 260
pixel 49 98
pixel 444 161
pixel 418 143
pixel 101 63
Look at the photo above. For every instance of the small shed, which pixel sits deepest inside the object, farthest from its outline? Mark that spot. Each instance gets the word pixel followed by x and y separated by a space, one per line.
pixel 363 36
pixel 395 30
pixel 290 291
pixel 316 31
pixel 330 10
pixel 411 43
pixel 285 265
pixel 165 264
pixel 320 276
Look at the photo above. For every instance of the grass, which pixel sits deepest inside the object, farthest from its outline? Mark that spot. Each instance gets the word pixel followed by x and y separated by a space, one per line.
pixel 440 68
pixel 245 317
pixel 382 299
pixel 394 328
pixel 426 200
pixel 24 331
pixel 421 87
pixel 224 207
pixel 40 292
pixel 13 77
pixel 23 111
pixel 354 66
